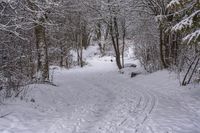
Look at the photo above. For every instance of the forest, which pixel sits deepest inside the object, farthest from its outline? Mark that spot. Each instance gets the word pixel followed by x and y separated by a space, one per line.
pixel 44 43
pixel 38 33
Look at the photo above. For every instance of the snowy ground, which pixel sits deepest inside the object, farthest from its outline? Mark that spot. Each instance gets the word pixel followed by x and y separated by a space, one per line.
pixel 97 99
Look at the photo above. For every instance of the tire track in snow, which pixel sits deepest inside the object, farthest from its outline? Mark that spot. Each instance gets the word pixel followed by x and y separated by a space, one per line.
pixel 129 114
pixel 149 107
pixel 146 102
pixel 142 111
pixel 89 128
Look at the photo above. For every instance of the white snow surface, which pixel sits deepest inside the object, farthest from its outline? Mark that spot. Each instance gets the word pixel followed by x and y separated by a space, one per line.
pixel 98 99
pixel 173 3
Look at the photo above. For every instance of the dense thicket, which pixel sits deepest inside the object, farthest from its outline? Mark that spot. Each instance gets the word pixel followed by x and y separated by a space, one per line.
pixel 170 37
pixel 36 34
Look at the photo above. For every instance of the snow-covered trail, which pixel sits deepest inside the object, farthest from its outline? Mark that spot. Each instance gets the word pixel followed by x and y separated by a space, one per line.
pixel 114 104
pixel 97 99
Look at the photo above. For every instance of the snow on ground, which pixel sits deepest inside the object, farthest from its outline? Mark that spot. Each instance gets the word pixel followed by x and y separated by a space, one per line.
pixel 97 99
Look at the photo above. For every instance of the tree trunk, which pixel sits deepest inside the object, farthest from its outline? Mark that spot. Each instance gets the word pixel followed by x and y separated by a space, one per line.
pixel 189 68
pixel 117 48
pixel 161 49
pixel 99 37
pixel 42 48
pixel 194 69
pixel 61 57
pixel 81 50
pixel 117 53
pixel 123 43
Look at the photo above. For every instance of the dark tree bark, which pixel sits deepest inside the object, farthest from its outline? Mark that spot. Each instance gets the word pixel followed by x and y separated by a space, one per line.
pixel 161 49
pixel 115 41
pixel 41 45
pixel 189 68
pixel 42 49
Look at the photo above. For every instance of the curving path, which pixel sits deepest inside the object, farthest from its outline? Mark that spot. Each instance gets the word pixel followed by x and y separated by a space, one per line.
pixel 100 100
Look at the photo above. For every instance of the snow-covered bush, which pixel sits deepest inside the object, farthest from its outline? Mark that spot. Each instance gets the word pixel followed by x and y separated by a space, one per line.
pixel 146 44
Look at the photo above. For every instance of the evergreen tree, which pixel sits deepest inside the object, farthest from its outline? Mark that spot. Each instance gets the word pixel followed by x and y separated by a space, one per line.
pixel 188 12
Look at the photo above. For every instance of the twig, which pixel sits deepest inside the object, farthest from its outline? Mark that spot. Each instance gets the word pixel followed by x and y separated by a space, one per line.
pixel 5 115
